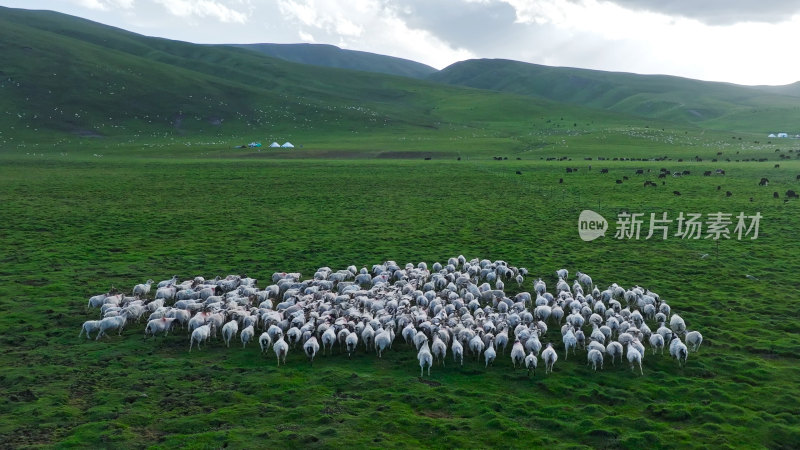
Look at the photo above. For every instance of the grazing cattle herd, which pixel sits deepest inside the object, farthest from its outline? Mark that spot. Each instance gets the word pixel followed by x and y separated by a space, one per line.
pixel 460 307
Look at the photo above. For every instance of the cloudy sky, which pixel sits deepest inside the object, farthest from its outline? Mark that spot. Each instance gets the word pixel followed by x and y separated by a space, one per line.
pixel 739 41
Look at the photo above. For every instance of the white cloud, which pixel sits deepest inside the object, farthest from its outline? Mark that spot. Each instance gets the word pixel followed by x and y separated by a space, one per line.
pixel 369 25
pixel 306 37
pixel 205 8
pixel 106 5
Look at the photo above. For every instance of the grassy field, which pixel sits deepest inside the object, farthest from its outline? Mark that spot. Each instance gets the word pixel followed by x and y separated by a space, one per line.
pixel 76 224
pixel 95 195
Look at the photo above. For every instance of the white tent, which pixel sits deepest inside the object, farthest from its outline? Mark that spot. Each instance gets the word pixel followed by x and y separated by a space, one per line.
pixel 274 145
pixel 783 135
pixel 771 135
pixel 287 145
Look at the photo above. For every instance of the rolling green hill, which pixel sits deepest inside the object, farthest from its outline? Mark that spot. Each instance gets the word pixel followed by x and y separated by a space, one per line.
pixel 77 77
pixel 715 105
pixel 332 56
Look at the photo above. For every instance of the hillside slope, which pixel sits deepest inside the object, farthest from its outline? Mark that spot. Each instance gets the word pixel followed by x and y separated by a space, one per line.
pixel 332 56
pixel 716 105
pixel 77 77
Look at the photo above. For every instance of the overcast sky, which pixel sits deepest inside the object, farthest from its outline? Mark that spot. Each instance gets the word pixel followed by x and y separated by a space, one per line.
pixel 739 41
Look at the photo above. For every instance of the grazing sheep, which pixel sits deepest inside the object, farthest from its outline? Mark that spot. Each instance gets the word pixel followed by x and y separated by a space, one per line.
pixel 531 361
pixel 570 341
pixel 677 324
pixel 89 327
pixel 229 330
pixel 264 341
pixel 458 305
pixel 634 357
pixel 678 350
pixel 490 354
pixel 458 352
pixel 368 336
pixel 501 340
pixel 350 343
pixel 518 353
pixel 158 325
pixel 247 335
pixel 311 347
pixel 549 357
pixel 329 338
pixel 97 301
pixel 425 358
pixel 594 358
pixel 439 349
pixel 657 343
pixel 200 334
pixel 111 323
pixel 383 340
pixel 585 280
pixel 693 340
pixel 614 349
pixel 476 346
pixel 281 349
pixel 141 290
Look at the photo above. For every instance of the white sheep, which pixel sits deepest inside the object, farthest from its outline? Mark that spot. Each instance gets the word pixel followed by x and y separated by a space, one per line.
pixel 264 341
pixel 383 340
pixel 594 345
pixel 531 361
pixel 229 330
pixel 328 339
pixel 350 343
pixel 678 350
pixel 141 290
pixel 247 335
pixel 425 358
pixel 311 347
pixel 634 357
pixel 614 349
pixel 169 282
pixel 439 349
pixel 476 346
pixel 501 340
pixel 89 327
pixel 594 358
pixel 281 349
pixel 570 341
pixel 518 353
pixel 677 324
pixel 368 336
pixel 585 280
pixel 97 301
pixel 549 357
pixel 657 343
pixel 158 325
pixel 111 323
pixel 562 273
pixel 490 354
pixel 200 334
pixel 458 352
pixel 693 340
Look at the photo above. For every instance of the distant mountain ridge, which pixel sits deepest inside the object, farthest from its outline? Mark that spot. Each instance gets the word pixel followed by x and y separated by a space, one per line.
pixel 332 56
pixel 713 104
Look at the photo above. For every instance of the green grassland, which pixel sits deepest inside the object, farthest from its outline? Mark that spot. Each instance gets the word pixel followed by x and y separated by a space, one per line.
pixel 77 224
pixel 102 186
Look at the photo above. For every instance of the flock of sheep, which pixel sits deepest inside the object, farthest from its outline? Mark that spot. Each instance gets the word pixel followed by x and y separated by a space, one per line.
pixel 460 307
